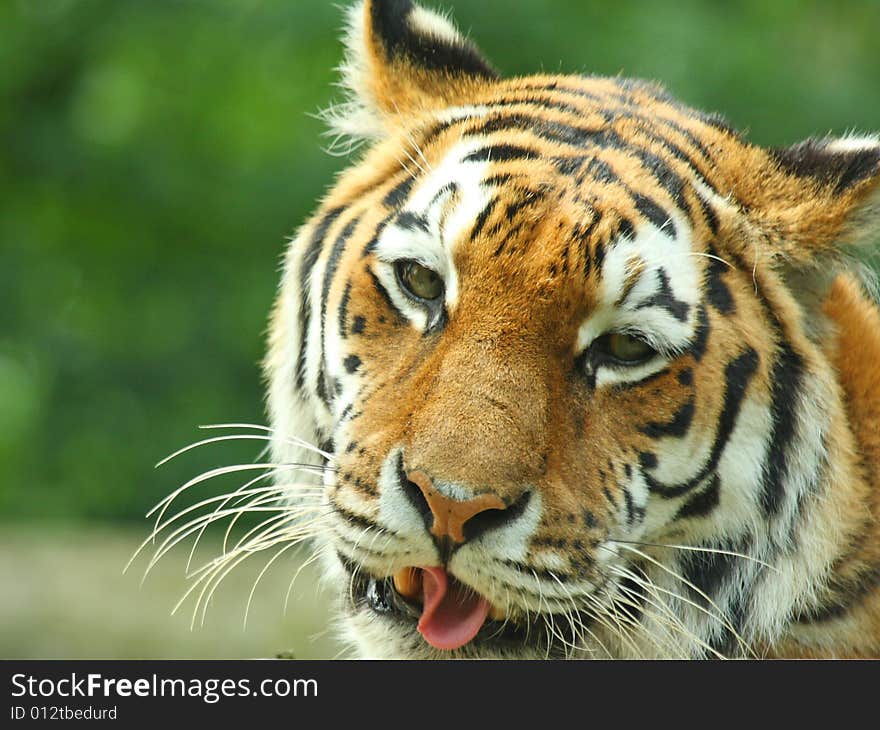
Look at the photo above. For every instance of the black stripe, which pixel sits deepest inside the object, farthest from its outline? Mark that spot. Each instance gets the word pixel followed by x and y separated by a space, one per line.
pixel 601 171
pixel 356 519
pixel 397 196
pixel 668 179
pixel 569 165
pixel 700 342
pixel 709 571
pixel 717 291
pixel 497 180
pixel 709 214
pixel 525 199
pixel 598 257
pixel 580 234
pixel 628 502
pixel 329 273
pixel 510 234
pixel 501 153
pixel 343 310
pixel 703 503
pixel 374 239
pixel 654 213
pixel 633 595
pixel 410 221
pixel 352 363
pixel 635 514
pixel 787 377
pixel 665 299
pixel 536 101
pixel 625 228
pixel 630 110
pixel 724 641
pixel 482 218
pixel 737 375
pixel 309 259
pixel 550 130
pixel 676 428
pixel 383 292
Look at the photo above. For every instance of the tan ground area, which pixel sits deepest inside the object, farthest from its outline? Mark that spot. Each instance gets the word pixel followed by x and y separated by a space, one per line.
pixel 63 595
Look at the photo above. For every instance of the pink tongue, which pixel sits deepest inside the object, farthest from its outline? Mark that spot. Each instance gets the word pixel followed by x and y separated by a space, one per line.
pixel 451 614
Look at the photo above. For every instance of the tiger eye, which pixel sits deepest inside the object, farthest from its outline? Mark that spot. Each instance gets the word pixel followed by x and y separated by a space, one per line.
pixel 627 348
pixel 419 281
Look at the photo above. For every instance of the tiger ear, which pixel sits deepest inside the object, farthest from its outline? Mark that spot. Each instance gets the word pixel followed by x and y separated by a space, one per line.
pixel 817 206
pixel 402 59
pixel 818 200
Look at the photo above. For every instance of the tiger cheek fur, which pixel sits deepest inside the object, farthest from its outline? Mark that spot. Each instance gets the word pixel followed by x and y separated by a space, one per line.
pixel 563 338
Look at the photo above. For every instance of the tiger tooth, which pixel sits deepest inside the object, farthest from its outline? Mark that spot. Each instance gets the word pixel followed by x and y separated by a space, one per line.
pixel 408 582
pixel 496 613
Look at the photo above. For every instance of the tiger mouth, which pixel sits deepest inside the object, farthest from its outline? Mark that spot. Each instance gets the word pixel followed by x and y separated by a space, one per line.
pixel 400 597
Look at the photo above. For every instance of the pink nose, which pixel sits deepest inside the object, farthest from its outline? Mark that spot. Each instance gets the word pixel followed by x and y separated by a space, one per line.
pixel 450 515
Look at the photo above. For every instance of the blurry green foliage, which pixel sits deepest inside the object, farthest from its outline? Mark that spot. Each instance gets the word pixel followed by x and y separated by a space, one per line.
pixel 154 155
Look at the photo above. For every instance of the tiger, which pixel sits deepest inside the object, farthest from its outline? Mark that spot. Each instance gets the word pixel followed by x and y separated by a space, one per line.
pixel 584 372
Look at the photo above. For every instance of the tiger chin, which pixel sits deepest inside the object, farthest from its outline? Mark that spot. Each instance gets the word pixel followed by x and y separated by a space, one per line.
pixel 594 375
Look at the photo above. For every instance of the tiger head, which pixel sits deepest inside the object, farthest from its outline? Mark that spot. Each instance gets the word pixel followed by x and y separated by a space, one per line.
pixel 567 347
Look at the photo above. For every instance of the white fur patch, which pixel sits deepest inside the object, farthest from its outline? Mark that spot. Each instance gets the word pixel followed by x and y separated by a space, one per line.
pixel 433 25
pixel 854 143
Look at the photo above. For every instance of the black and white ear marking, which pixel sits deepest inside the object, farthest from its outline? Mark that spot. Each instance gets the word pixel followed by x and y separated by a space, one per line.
pixel 402 59
pixel 819 204
pixel 425 39
pixel 840 163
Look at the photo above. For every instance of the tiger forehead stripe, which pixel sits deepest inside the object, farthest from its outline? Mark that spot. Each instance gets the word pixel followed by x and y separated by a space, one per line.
pixel 633 143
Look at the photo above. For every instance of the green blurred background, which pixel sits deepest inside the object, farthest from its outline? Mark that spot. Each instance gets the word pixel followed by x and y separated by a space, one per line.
pixel 153 158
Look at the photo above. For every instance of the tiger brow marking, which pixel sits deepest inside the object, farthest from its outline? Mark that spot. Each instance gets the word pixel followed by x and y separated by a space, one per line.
pixel 411 221
pixel 664 298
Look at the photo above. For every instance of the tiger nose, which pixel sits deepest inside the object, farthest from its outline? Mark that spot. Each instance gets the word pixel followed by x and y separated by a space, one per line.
pixel 451 515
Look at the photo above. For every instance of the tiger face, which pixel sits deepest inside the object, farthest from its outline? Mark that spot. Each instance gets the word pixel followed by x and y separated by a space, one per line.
pixel 568 350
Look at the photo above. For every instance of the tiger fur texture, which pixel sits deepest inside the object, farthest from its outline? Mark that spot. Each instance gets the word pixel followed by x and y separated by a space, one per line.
pixel 595 376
